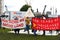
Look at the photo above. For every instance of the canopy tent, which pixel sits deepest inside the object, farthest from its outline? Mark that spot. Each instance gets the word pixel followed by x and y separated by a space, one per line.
pixel 29 13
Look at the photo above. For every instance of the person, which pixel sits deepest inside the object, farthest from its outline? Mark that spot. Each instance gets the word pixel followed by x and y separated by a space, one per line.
pixel 27 25
pixel 16 30
pixel 0 22
pixel 34 31
pixel 43 17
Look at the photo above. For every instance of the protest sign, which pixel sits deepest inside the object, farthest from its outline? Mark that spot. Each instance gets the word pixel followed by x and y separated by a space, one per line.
pixel 16 20
pixel 46 24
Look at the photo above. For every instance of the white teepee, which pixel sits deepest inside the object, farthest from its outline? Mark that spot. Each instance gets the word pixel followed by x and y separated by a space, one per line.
pixel 29 13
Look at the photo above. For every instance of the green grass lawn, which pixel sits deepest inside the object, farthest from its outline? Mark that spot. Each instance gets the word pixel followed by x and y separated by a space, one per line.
pixel 4 35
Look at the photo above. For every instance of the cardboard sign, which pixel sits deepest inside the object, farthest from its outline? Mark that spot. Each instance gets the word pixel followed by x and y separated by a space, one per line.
pixel 46 24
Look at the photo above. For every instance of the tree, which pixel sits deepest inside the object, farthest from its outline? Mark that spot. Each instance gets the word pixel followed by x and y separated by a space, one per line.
pixel 25 7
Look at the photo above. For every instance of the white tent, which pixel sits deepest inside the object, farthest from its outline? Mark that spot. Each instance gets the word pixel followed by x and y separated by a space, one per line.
pixel 29 13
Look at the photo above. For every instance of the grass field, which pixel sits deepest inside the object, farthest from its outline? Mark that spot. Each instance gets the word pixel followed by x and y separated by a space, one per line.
pixel 4 35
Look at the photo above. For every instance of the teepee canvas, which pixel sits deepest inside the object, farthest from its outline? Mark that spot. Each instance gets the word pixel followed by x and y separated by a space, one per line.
pixel 29 13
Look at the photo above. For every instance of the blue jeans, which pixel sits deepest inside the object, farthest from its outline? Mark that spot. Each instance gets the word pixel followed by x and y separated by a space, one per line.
pixel 35 32
pixel 27 28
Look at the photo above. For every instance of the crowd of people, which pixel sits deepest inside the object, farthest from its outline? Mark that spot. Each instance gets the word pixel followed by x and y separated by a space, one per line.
pixel 28 26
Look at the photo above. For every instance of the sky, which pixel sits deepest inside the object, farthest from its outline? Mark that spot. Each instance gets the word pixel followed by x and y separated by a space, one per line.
pixel 15 5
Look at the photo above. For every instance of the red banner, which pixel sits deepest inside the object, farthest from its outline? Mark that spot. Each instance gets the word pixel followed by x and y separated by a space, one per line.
pixel 46 24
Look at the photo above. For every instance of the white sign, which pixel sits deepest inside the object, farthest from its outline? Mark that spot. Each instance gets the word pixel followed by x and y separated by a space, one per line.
pixel 16 20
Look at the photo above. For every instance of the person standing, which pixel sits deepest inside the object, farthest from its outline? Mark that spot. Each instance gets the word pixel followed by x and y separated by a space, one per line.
pixel 0 22
pixel 27 25
pixel 16 30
